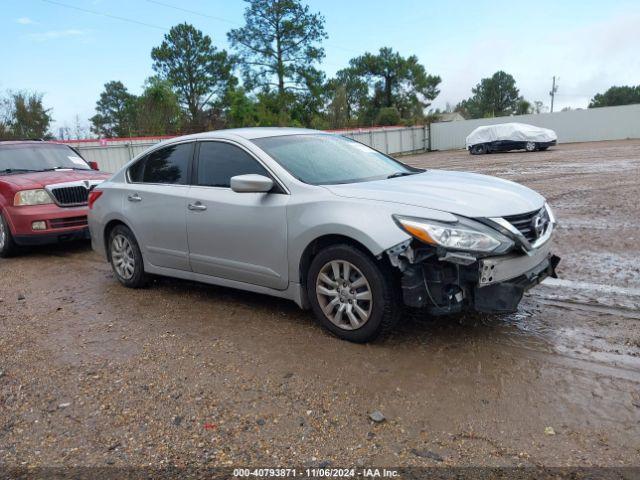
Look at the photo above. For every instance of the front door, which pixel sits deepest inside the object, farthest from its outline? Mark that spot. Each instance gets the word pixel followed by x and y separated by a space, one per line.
pixel 236 236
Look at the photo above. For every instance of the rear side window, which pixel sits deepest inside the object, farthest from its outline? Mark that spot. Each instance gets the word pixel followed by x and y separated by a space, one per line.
pixel 219 161
pixel 168 165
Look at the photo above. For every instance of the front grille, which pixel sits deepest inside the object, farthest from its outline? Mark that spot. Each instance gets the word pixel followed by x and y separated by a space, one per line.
pixel 68 222
pixel 524 224
pixel 70 195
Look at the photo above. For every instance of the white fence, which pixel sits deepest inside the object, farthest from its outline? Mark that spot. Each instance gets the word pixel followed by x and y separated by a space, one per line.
pixel 112 154
pixel 592 124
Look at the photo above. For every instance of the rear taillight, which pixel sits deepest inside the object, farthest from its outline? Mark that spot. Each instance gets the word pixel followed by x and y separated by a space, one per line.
pixel 93 196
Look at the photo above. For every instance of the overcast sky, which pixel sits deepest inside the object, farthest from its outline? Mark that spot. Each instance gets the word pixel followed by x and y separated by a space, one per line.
pixel 68 54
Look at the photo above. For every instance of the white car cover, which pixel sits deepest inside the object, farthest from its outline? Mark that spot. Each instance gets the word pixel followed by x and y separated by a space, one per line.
pixel 518 132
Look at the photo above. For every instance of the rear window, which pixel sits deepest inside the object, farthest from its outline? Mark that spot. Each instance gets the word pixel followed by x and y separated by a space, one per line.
pixel 38 157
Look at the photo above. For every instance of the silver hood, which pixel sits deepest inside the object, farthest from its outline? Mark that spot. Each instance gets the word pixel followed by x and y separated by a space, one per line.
pixel 467 194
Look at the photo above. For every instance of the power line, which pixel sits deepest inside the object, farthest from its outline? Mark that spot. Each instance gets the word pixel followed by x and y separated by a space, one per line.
pixel 193 12
pixel 108 15
pixel 226 20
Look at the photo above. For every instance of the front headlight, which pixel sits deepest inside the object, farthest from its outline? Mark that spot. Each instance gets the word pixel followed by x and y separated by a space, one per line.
pixel 32 197
pixel 455 235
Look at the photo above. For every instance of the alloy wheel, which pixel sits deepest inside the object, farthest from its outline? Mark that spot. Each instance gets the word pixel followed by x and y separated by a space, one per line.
pixel 122 256
pixel 530 146
pixel 344 294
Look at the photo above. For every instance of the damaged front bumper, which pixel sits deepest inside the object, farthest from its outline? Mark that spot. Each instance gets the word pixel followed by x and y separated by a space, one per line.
pixel 444 282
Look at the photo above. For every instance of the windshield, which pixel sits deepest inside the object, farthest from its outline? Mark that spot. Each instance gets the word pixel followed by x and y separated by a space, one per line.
pixel 323 159
pixel 33 157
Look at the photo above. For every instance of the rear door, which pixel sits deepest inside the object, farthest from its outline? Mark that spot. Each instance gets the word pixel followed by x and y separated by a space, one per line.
pixel 236 236
pixel 155 204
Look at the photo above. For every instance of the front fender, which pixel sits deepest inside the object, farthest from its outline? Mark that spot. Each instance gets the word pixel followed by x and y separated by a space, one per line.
pixel 367 222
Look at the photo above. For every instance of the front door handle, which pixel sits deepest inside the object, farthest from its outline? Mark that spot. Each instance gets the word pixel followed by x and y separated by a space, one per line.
pixel 197 206
pixel 134 197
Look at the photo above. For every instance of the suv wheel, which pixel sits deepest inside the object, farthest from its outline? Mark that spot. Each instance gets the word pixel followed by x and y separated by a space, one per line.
pixel 126 258
pixel 7 244
pixel 351 295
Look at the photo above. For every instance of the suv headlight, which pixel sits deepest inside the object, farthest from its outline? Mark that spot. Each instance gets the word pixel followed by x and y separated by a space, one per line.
pixel 32 197
pixel 456 236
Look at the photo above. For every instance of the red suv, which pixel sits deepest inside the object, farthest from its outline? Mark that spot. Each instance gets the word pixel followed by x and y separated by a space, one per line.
pixel 44 190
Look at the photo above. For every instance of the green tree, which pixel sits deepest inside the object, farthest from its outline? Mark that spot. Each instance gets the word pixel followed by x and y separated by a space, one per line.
pixel 624 95
pixel 279 47
pixel 29 118
pixel 496 96
pixel 196 69
pixel 115 112
pixel 523 107
pixel 6 117
pixel 157 110
pixel 388 116
pixel 347 91
pixel 397 82
pixel 242 110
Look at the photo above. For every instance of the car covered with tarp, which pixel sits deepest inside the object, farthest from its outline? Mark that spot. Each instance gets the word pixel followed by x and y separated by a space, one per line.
pixel 503 137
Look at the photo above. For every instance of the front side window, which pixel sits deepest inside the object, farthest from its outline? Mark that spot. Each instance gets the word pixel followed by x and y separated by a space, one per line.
pixel 35 157
pixel 168 165
pixel 219 161
pixel 323 159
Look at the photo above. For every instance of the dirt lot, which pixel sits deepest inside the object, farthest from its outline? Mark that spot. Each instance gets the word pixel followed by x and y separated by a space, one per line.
pixel 182 374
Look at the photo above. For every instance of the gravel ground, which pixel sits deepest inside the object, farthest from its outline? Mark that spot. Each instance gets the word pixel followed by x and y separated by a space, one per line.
pixel 92 374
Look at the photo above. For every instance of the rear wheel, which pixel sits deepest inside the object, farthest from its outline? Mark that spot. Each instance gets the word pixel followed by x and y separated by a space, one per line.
pixel 479 149
pixel 7 244
pixel 531 146
pixel 126 258
pixel 351 295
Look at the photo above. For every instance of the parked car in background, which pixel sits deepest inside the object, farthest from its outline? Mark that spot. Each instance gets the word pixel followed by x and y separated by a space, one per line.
pixel 510 136
pixel 325 221
pixel 44 189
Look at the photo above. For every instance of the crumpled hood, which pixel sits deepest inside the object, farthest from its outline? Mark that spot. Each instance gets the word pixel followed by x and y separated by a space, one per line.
pixel 466 194
pixel 41 179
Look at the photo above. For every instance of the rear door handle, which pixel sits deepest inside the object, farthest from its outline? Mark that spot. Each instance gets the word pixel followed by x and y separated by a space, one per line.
pixel 134 197
pixel 197 206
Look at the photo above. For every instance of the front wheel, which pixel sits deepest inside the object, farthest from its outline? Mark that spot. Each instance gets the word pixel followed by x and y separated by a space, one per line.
pixel 351 295
pixel 126 258
pixel 530 146
pixel 7 244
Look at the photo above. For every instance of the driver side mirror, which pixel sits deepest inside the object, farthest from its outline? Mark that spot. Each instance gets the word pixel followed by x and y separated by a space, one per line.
pixel 251 183
pixel 93 165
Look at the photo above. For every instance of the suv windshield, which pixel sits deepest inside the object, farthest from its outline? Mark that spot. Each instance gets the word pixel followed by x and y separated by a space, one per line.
pixel 323 159
pixel 36 158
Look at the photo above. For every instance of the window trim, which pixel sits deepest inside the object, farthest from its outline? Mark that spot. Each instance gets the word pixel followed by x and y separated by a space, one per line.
pixel 280 186
pixel 190 163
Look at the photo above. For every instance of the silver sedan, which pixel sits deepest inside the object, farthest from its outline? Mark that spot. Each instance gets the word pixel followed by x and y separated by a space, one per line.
pixel 325 221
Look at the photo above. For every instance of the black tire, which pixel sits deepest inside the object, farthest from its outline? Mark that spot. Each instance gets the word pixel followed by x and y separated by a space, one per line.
pixel 478 149
pixel 138 278
pixel 531 146
pixel 8 245
pixel 385 307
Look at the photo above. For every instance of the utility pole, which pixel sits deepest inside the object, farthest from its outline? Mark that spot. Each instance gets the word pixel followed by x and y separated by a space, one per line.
pixel 554 89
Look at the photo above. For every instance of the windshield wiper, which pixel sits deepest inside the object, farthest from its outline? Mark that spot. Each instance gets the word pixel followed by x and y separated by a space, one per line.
pixel 17 170
pixel 61 168
pixel 401 174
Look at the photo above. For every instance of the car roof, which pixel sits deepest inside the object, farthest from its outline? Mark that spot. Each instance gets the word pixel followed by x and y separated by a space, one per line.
pixel 250 133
